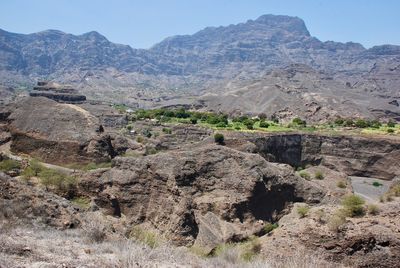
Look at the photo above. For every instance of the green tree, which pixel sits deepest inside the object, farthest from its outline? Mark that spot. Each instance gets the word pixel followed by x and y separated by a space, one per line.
pixel 219 138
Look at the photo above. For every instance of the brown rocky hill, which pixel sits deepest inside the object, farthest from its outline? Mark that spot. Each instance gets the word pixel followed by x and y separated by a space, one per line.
pixel 57 133
pixel 215 60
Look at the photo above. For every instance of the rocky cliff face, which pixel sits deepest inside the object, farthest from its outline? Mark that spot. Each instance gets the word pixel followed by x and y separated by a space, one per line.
pixel 57 133
pixel 205 196
pixel 354 156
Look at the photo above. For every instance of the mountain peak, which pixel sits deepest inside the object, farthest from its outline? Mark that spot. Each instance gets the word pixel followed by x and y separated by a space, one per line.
pixel 94 35
pixel 288 23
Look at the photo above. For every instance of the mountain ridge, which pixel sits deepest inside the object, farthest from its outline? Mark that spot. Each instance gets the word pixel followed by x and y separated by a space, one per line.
pixel 215 60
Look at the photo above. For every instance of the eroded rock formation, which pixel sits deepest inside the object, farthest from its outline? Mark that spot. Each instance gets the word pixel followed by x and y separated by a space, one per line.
pixel 59 93
pixel 58 133
pixel 207 196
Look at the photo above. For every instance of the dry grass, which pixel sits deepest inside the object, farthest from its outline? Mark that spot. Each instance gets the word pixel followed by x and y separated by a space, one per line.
pixel 33 247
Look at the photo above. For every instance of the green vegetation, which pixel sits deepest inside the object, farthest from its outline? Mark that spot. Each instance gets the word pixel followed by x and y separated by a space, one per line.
pixel 377 184
pixel 394 191
pixel 305 175
pixel 299 122
pixel 51 178
pixel 373 209
pixel 263 124
pixel 353 205
pixel 9 164
pixel 193 120
pixel 82 202
pixel 269 227
pixel 251 249
pixel 391 124
pixel 120 107
pixel 341 184
pixel 245 123
pixel 90 166
pixel 219 138
pixel 337 220
pixel 147 237
pixel 319 175
pixel 303 211
pixel 244 251
pixel 58 180
pixel 167 130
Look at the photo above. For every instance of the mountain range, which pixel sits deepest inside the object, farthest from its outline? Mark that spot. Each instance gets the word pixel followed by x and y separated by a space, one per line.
pixel 271 65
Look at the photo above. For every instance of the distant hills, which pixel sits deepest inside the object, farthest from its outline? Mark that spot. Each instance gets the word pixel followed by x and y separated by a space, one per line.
pixel 271 64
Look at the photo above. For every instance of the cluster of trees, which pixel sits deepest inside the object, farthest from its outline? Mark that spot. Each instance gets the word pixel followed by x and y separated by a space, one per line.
pixel 361 123
pixel 166 114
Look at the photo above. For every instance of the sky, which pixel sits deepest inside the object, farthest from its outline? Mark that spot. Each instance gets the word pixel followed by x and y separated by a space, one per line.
pixel 142 24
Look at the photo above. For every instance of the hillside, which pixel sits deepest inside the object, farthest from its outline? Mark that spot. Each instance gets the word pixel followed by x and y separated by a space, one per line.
pixel 248 57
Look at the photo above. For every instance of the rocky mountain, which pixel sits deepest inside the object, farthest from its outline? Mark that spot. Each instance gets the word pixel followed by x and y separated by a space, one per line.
pixel 216 61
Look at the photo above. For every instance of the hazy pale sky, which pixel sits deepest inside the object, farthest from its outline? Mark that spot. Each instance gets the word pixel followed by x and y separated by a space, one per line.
pixel 141 24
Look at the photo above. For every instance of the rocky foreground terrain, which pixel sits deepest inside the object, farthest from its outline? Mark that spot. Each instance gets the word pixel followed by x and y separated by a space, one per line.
pixel 271 64
pixel 82 185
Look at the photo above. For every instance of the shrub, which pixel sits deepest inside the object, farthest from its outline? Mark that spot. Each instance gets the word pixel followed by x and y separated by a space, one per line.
pixel 337 220
pixel 299 122
pixel 373 209
pixel 140 139
pixel 251 249
pixel 319 175
pixel 193 120
pixel 262 116
pixel 354 205
pixel 320 215
pixel 391 124
pixel 349 123
pixel 275 119
pixel 269 227
pixel 375 124
pixel 341 184
pixel 237 127
pixel 82 202
pixel 390 130
pixel 140 234
pixel 361 123
pixel 94 228
pixel 147 133
pixel 303 211
pixel 61 182
pixel 305 175
pixel 150 151
pixel 219 138
pixel 167 130
pixel 377 184
pixel 221 124
pixel 264 124
pixel 182 113
pixel 249 124
pixel 129 127
pixel 9 164
pixel 339 121
pixel 36 166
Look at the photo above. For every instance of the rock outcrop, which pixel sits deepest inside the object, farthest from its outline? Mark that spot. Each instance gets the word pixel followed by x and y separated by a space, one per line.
pixel 59 93
pixel 204 196
pixel 20 201
pixel 58 133
pixel 352 155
